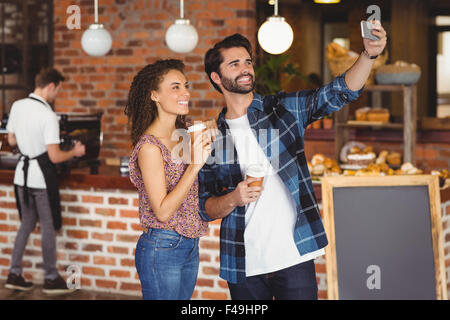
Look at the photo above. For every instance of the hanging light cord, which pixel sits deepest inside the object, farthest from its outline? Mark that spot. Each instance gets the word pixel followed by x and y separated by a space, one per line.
pixel 181 9
pixel 96 11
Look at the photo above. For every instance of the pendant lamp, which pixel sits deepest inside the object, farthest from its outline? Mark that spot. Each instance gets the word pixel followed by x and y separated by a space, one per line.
pixel 181 37
pixel 96 40
pixel 275 35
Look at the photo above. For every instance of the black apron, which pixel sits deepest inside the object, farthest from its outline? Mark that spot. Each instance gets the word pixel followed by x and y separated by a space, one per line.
pixel 48 169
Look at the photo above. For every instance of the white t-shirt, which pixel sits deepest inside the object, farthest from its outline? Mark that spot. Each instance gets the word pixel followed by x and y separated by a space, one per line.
pixel 270 221
pixel 35 125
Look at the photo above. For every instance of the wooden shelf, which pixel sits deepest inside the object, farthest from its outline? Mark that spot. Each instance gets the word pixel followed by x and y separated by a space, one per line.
pixel 386 87
pixel 408 126
pixel 373 125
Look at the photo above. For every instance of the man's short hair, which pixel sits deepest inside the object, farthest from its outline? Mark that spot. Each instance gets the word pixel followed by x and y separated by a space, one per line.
pixel 213 57
pixel 47 76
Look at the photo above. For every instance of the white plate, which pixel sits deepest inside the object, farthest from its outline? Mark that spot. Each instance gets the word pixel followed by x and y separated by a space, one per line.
pixel 352 166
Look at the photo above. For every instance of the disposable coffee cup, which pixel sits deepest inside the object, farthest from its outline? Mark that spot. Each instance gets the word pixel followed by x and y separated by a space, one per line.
pixel 258 172
pixel 195 130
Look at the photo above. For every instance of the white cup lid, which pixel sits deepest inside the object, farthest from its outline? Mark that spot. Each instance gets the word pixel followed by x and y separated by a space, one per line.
pixel 256 171
pixel 196 127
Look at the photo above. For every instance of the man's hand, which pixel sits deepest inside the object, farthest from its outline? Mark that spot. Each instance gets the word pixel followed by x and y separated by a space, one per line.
pixel 376 47
pixel 79 149
pixel 244 194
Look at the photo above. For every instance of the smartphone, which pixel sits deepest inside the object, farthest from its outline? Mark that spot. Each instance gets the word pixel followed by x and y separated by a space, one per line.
pixel 366 28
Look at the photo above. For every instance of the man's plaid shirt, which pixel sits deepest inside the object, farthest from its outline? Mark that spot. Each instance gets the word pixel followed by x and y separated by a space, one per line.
pixel 279 123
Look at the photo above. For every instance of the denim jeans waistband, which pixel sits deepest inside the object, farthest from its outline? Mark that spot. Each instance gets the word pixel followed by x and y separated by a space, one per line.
pixel 155 232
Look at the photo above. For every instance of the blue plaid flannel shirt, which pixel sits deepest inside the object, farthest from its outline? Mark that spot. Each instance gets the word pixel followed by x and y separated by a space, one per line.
pixel 290 113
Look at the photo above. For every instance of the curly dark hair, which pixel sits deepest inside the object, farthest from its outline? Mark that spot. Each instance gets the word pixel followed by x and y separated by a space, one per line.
pixel 140 108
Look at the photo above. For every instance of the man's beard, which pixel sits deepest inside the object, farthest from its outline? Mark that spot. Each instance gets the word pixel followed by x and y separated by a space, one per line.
pixel 233 86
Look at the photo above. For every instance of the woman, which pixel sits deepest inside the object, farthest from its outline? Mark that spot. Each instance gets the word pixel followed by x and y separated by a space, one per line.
pixel 166 256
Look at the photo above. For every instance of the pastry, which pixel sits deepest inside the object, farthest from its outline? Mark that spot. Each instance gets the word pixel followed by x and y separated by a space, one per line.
pixel 361 114
pixel 378 115
pixel 349 172
pixel 394 159
pixel 318 170
pixel 317 159
pixel 361 158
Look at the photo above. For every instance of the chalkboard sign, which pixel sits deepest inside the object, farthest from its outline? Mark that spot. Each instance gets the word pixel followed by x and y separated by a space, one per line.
pixel 385 238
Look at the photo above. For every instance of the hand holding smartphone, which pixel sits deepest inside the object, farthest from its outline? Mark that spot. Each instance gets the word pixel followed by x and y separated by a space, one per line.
pixel 366 28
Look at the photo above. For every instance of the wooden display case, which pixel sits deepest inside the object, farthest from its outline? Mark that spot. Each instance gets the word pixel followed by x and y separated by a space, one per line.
pixel 409 125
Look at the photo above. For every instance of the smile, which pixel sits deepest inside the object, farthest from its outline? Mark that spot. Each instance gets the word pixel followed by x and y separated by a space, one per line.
pixel 245 79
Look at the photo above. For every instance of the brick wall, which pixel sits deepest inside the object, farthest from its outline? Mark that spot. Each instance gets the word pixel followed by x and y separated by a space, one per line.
pixel 99 235
pixel 138 28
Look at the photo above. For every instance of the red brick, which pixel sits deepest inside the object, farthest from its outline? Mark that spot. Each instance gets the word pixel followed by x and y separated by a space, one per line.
pixel 110 212
pixel 205 257
pixel 69 221
pixel 211 271
pixel 119 274
pixel 206 244
pixel 214 295
pixel 130 286
pixel 113 200
pixel 205 282
pixel 90 223
pixel 93 247
pixel 129 214
pixel 8 205
pixel 78 258
pixel 78 234
pixel 105 260
pixel 92 199
pixel 127 238
pixel 93 271
pixel 127 263
pixel 223 284
pixel 7 227
pixel 116 225
pixel 119 250
pixel 106 284
pixel 322 294
pixel 85 282
pixel 77 209
pixel 320 268
pixel 4 262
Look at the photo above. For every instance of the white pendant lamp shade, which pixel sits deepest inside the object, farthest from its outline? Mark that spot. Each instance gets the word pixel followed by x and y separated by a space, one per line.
pixel 275 35
pixel 181 37
pixel 96 40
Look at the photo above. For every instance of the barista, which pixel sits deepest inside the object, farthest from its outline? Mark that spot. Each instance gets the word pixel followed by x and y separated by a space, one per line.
pixel 33 126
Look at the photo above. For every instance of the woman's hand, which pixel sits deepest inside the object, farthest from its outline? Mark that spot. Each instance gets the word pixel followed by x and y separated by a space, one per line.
pixel 201 149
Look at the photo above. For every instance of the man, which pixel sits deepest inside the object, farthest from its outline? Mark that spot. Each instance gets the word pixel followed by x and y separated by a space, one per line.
pixel 269 238
pixel 34 128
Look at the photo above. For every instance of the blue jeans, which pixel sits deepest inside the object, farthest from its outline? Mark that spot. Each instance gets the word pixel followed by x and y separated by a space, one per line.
pixel 294 283
pixel 167 264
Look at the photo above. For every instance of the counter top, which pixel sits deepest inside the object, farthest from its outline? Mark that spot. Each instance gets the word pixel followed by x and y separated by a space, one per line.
pixel 109 177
